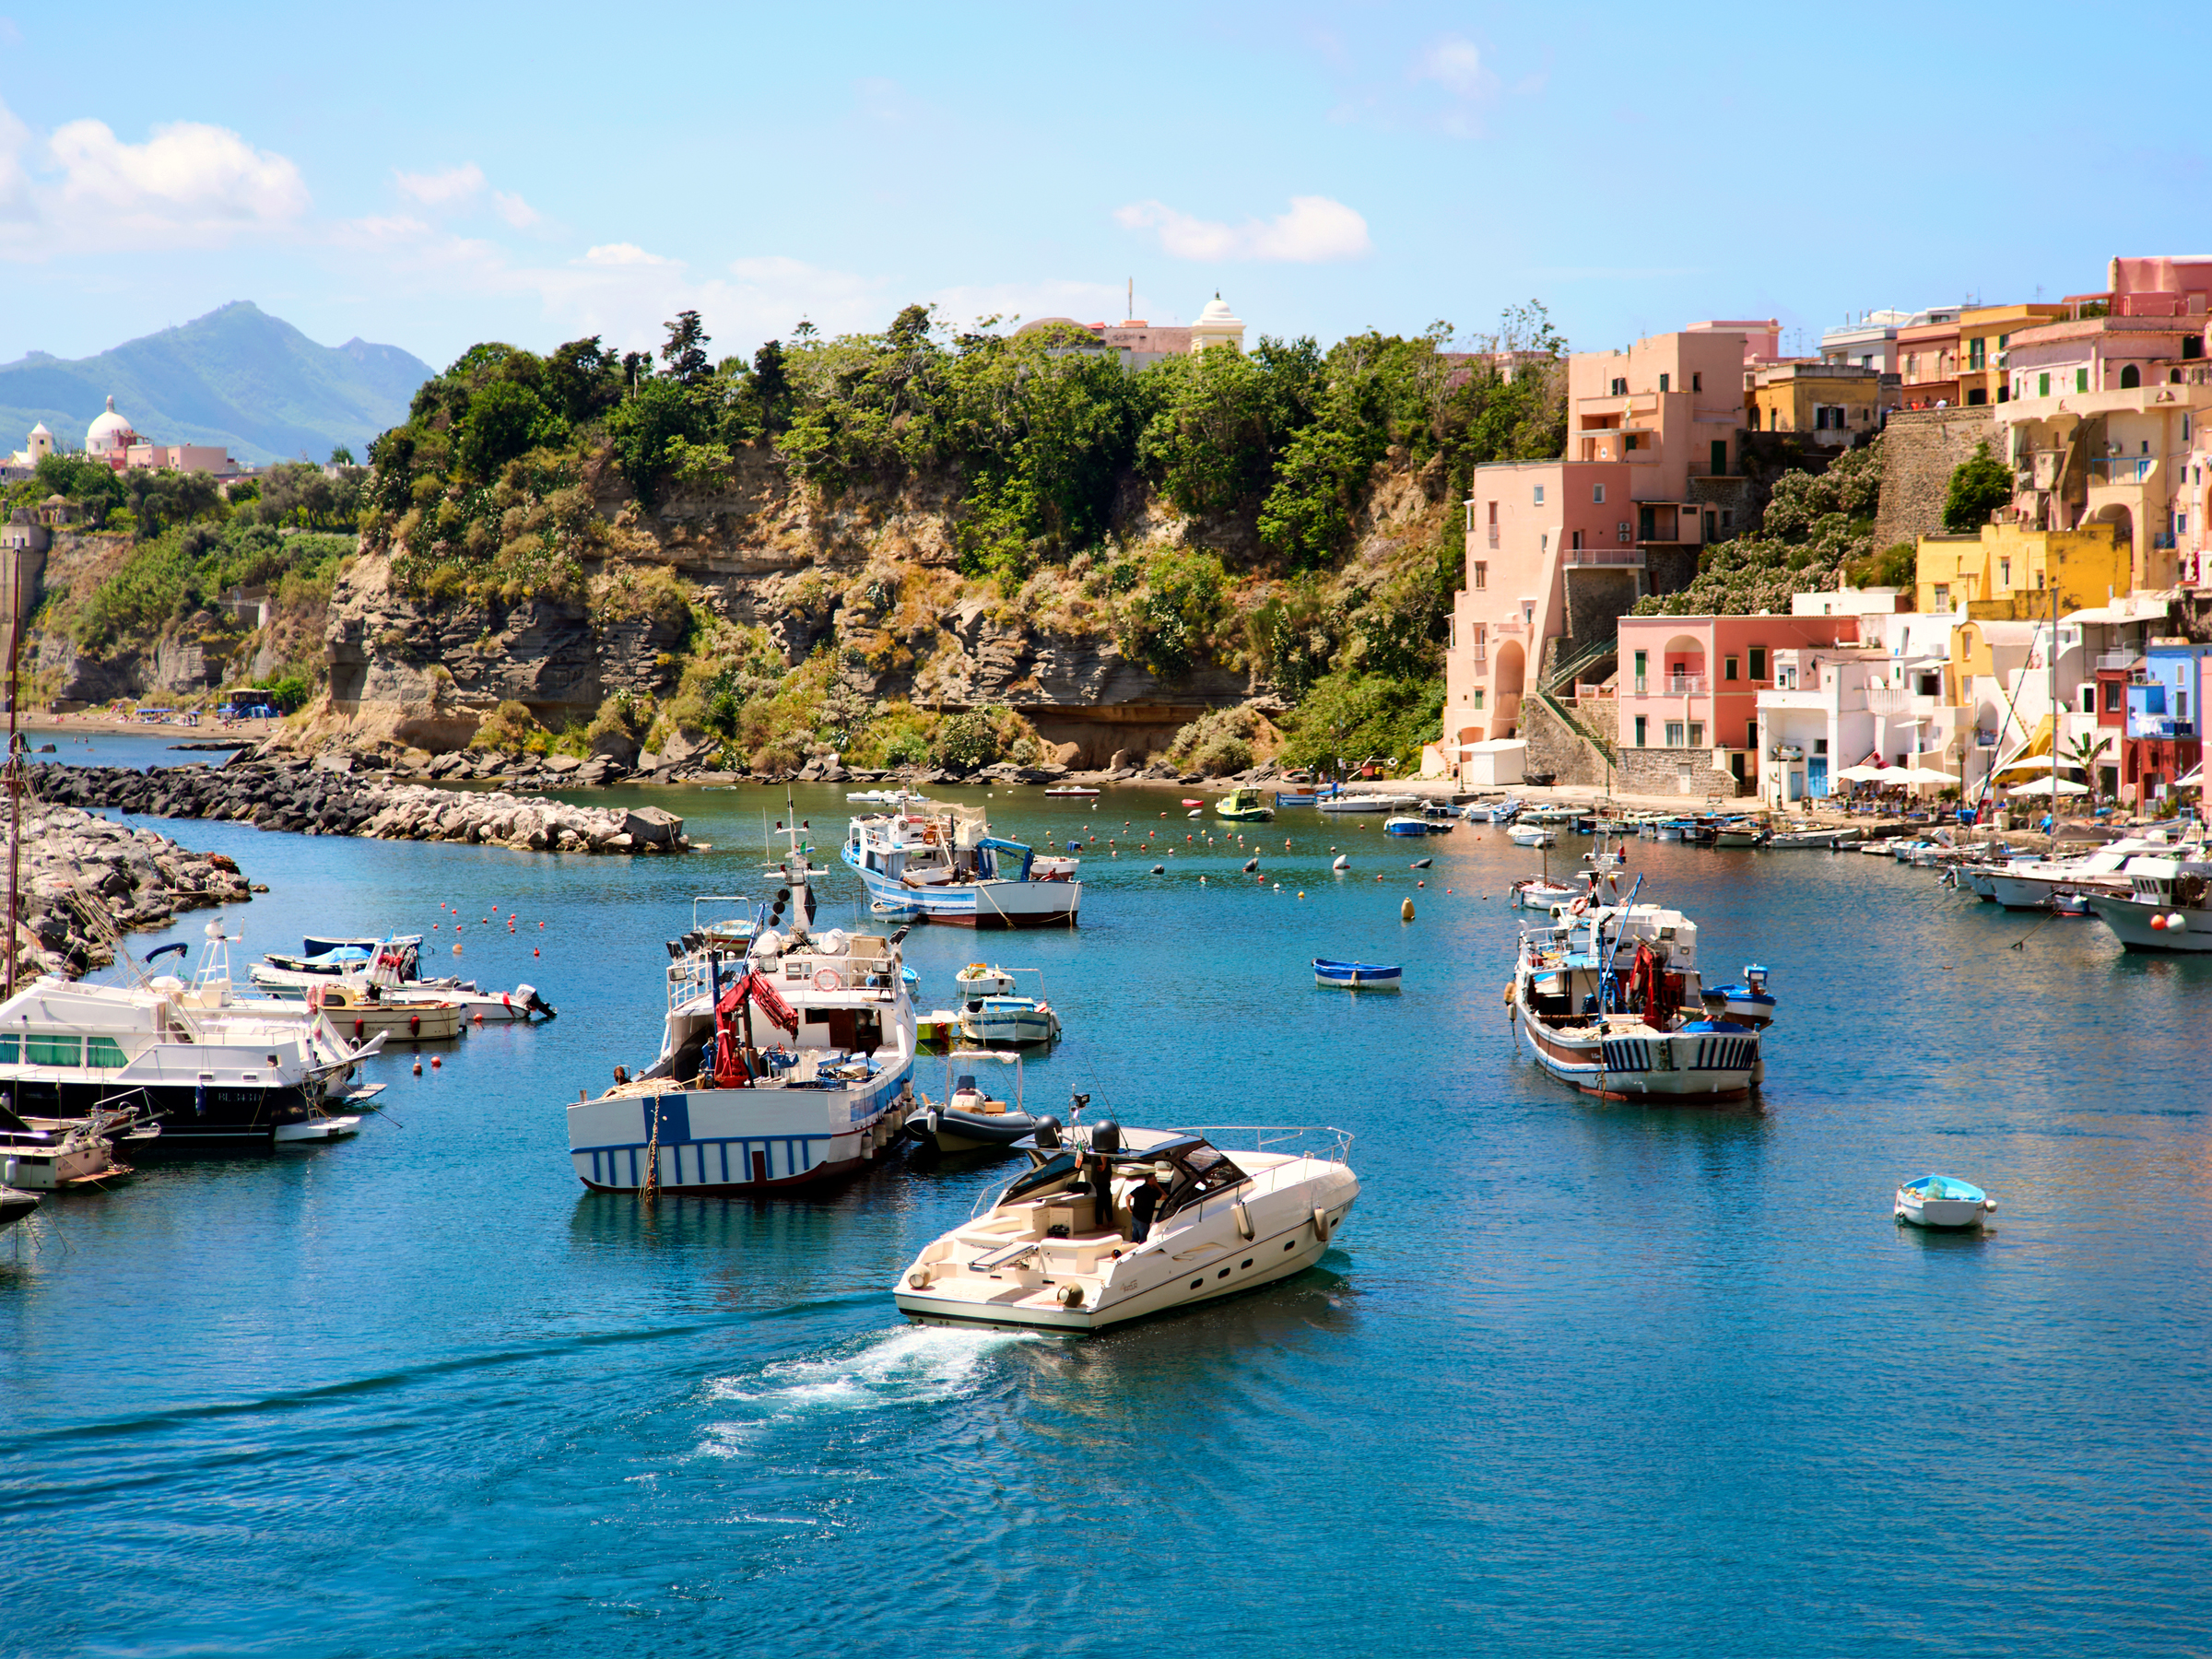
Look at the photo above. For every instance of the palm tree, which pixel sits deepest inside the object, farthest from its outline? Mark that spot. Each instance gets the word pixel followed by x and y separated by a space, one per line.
pixel 2084 754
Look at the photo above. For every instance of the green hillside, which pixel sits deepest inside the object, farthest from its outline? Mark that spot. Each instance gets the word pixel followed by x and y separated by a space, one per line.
pixel 237 377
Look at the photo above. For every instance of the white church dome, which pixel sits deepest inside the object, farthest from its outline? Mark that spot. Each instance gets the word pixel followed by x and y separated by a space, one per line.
pixel 1217 310
pixel 108 431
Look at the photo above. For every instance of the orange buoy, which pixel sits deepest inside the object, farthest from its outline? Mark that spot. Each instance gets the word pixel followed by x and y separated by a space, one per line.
pixel 419 1068
pixel 534 952
pixel 435 1063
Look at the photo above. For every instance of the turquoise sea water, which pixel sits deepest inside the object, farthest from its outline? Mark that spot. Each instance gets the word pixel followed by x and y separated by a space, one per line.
pixel 1574 1377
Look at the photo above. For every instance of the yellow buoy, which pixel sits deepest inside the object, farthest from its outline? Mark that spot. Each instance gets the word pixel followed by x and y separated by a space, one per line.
pixel 1406 910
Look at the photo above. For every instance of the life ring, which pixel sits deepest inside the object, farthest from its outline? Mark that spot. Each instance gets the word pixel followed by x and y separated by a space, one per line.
pixel 828 979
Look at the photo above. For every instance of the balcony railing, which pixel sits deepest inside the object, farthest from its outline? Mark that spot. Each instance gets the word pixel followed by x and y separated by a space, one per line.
pixel 2121 469
pixel 1900 699
pixel 2121 660
pixel 1630 556
pixel 1683 685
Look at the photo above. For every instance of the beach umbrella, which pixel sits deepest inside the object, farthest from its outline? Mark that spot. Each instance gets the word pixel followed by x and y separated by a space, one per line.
pixel 2065 786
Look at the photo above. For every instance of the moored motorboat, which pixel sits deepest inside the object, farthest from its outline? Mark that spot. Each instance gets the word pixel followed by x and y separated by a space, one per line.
pixel 1244 806
pixel 992 1012
pixel 1071 792
pixel 970 1118
pixel 1059 1247
pixel 1356 976
pixel 1352 802
pixel 1942 1201
pixel 1539 893
pixel 14 1205
pixel 1749 1000
pixel 1424 825
pixel 948 865
pixel 1533 835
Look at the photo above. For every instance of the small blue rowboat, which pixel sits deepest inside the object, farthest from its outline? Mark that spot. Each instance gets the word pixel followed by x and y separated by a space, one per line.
pixel 1355 976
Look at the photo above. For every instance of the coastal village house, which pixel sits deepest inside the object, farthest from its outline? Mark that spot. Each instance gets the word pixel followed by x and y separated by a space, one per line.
pixel 1832 404
pixel 1140 343
pixel 1555 550
pixel 111 438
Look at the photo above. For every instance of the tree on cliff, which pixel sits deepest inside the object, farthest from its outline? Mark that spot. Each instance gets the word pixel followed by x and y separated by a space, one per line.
pixel 684 355
pixel 1980 485
pixel 1817 525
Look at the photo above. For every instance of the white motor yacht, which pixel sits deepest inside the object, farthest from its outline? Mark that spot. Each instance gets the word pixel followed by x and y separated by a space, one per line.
pixel 1056 1248
pixel 785 1058
pixel 213 1072
pixel 2167 911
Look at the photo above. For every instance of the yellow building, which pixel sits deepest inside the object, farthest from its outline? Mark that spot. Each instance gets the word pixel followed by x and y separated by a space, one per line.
pixel 1984 332
pixel 1830 402
pixel 2002 573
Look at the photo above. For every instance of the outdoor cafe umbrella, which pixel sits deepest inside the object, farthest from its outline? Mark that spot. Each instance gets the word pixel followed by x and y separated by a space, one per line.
pixel 1916 775
pixel 1860 775
pixel 2065 786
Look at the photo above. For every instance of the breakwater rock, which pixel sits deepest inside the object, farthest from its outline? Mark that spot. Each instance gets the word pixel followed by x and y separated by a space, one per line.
pixel 77 867
pixel 316 800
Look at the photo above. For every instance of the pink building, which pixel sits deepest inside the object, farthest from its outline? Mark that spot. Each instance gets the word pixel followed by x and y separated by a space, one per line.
pixel 1557 549
pixel 1689 691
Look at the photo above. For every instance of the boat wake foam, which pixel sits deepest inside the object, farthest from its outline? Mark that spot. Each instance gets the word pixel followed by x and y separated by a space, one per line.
pixel 911 1366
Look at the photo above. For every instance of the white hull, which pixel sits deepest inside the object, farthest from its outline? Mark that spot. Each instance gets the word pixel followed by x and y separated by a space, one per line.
pixel 2130 918
pixel 1640 1064
pixel 1945 1213
pixel 1017 1028
pixel 982 904
pixel 712 1141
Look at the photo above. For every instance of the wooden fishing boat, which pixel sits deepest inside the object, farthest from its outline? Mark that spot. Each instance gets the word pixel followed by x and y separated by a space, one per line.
pixel 1356 976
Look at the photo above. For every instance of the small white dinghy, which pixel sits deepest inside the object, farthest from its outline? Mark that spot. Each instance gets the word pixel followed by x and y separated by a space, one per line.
pixel 1942 1201
pixel 1533 835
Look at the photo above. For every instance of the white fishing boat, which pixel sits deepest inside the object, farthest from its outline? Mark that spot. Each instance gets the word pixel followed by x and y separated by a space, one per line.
pixel 949 865
pixel 2030 884
pixel 1491 812
pixel 1533 835
pixel 387 975
pixel 2167 911
pixel 729 1106
pixel 1783 839
pixel 1057 1248
pixel 1942 1201
pixel 362 1010
pixel 1539 893
pixel 1627 1031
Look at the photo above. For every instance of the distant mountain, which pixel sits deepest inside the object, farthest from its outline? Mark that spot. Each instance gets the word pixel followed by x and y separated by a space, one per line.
pixel 237 377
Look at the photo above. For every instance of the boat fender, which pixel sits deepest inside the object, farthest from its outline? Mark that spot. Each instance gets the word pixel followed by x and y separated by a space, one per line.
pixel 1990 1204
pixel 1242 1219
pixel 357 1030
pixel 1071 1296
pixel 414 1025
pixel 1321 1225
pixel 918 1279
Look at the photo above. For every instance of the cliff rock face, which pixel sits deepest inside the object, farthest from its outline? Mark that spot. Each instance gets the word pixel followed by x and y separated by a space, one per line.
pixel 871 573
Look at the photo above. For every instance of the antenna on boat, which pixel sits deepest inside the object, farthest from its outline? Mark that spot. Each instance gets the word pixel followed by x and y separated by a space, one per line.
pixel 15 769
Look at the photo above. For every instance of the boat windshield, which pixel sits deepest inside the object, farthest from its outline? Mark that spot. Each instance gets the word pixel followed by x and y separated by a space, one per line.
pixel 1201 1172
pixel 1045 1174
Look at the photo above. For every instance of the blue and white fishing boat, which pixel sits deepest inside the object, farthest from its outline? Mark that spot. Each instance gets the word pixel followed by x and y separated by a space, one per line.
pixel 1749 1000
pixel 1627 1033
pixel 1493 812
pixel 1415 826
pixel 786 1059
pixel 1356 976
pixel 946 865
pixel 1942 1201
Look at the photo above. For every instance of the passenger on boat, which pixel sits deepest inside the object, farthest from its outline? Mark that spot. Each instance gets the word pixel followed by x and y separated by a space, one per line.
pixel 1144 1203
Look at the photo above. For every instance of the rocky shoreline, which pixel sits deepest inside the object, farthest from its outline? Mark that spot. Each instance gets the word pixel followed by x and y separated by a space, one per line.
pixel 329 798
pixel 75 865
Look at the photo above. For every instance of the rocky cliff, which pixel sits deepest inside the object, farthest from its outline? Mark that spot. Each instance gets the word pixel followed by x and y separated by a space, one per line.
pixel 862 589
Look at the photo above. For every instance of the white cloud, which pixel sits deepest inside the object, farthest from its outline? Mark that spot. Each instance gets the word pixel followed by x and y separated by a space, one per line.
pixel 617 255
pixel 514 210
pixel 444 188
pixel 189 184
pixel 1315 229
pixel 186 173
pixel 1456 65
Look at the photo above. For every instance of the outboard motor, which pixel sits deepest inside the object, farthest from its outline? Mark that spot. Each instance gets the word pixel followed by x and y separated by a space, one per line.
pixel 534 1002
pixel 1048 1134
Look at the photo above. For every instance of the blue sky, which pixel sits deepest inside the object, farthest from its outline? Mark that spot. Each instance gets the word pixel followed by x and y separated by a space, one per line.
pixel 432 176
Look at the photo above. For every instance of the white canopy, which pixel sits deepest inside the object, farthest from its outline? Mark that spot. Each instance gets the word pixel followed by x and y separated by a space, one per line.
pixel 2193 779
pixel 2051 786
pixel 1861 774
pixel 1916 775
